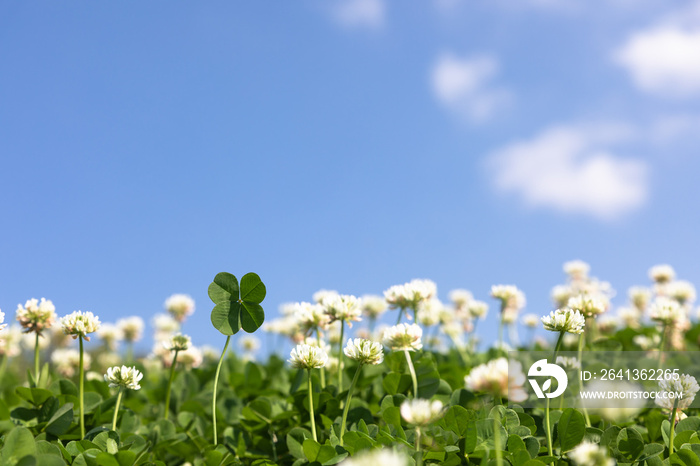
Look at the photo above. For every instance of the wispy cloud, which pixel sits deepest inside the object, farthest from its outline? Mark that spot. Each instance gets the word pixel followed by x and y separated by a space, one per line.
pixel 359 13
pixel 464 85
pixel 573 169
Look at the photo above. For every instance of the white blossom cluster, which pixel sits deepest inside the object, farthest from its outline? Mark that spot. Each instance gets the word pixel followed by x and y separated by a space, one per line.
pixel 123 377
pixel 36 316
pixel 80 324
pixel 403 337
pixel 420 412
pixel 685 384
pixel 408 295
pixel 565 320
pixel 364 351
pixel 494 377
pixel 180 306
pixel 307 357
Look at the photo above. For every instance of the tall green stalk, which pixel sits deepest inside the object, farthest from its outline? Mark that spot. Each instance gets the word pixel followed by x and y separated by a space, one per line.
pixel 116 408
pixel 419 453
pixel 662 348
pixel 323 369
pixel 311 408
pixel 81 375
pixel 580 382
pixel 170 384
pixel 37 374
pixel 673 427
pixel 413 373
pixel 548 426
pixel 497 440
pixel 398 321
pixel 340 356
pixel 216 384
pixel 347 403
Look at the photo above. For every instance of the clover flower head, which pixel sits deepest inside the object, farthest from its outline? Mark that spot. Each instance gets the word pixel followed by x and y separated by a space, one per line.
pixel 460 298
pixel 343 307
pixel 364 351
pixel 662 273
pixel 322 294
pixel 374 457
pixel 564 320
pixel 568 363
pixel 36 317
pixel 647 343
pixel 403 337
pixel 613 409
pixel 132 328
pixel 629 316
pixel 311 316
pixel 428 312
pixel 577 269
pixel 682 291
pixel 561 294
pixel 191 358
pixel 666 311
pixel 373 306
pixel 531 320
pixel 590 454
pixel 250 344
pixel 67 360
pixel 504 293
pixel 179 306
pixel 639 297
pixel 311 341
pixel 123 377
pixel 408 295
pixel 2 319
pixel 110 334
pixel 495 378
pixel 307 357
pixel 685 384
pixel 589 305
pixel 10 341
pixel 177 342
pixel 80 324
pixel 478 309
pixel 165 325
pixel 420 412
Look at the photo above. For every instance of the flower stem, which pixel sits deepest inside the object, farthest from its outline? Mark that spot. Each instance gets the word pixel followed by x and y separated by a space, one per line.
pixel 170 384
pixel 580 383
pixel 340 357
pixel 497 441
pixel 311 409
pixel 36 360
pixel 216 384
pixel 662 348
pixel 419 454
pixel 398 321
pixel 413 373
pixel 546 408
pixel 673 427
pixel 323 369
pixel 347 403
pixel 81 386
pixel 116 409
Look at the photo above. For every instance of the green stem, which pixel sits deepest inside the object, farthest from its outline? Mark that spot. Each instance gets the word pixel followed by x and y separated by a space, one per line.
pixel 116 409
pixel 546 408
pixel 500 335
pixel 673 427
pixel 347 403
pixel 311 409
pixel 216 384
pixel 36 360
pixel 170 384
pixel 497 441
pixel 323 369
pixel 413 373
pixel 81 385
pixel 340 356
pixel 419 454
pixel 398 321
pixel 663 345
pixel 580 383
pixel 3 366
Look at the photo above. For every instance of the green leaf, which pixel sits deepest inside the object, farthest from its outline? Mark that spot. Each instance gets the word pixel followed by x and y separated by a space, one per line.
pixel 690 423
pixel 18 443
pixel 317 452
pixel 684 458
pixel 252 288
pixel 651 450
pixel 295 440
pixel 630 443
pixel 35 396
pixel 252 316
pixel 61 420
pixel 458 419
pixel 226 317
pixel 571 429
pixel 224 288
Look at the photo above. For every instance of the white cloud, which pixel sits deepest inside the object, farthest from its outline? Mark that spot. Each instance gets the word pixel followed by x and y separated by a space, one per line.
pixel 663 60
pixel 360 13
pixel 572 169
pixel 464 86
pixel 675 128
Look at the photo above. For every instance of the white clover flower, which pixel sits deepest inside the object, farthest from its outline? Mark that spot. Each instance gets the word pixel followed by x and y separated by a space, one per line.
pixel 111 335
pixel 613 409
pixel 460 298
pixel 629 316
pixel 132 328
pixel 364 351
pixel 190 358
pixel 343 307
pixel 250 343
pixel 2 319
pixel 607 324
pixel 108 359
pixel 29 341
pixel 682 291
pixel 509 315
pixel 286 325
pixel 408 295
pixel 123 377
pixel 80 324
pixel 663 273
pixel 685 384
pixel 36 317
pixel 428 312
pixel 647 343
pixel 453 329
pixel 639 297
pixel 590 454
pixel 377 457
pixel 510 296
pixel 67 360
pixel 311 316
pixel 57 338
pixel 403 337
pixel 568 363
pixel 312 341
pixel 420 412
pixel 334 332
pixel 165 325
pixel 564 320
pixel 589 305
pixel 320 295
pixel 577 269
pixel 307 357
pixel 179 306
pixel 373 306
pixel 178 342
pixel 570 340
pixel 10 341
pixel 478 309
pixel 333 364
pixel 666 311
pixel 531 320
pixel 495 378
pixel 561 294
pixel 210 353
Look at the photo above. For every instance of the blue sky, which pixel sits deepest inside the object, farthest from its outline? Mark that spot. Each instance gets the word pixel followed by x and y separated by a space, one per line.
pixel 344 144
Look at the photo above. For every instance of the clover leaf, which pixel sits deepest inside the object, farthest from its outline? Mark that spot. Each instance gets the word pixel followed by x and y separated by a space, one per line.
pixel 237 306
